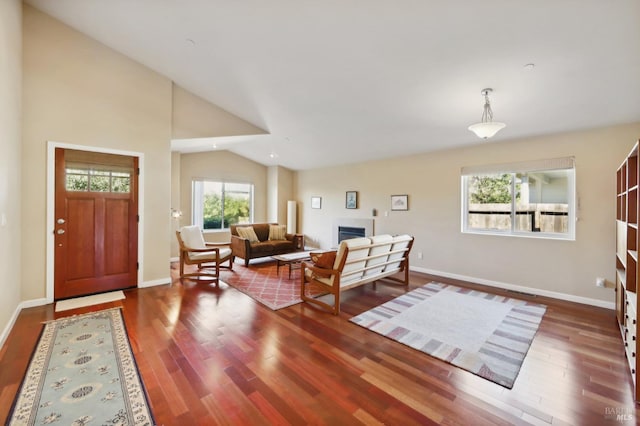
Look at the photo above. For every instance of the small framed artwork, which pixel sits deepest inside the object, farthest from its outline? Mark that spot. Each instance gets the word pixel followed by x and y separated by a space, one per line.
pixel 399 202
pixel 316 202
pixel 352 200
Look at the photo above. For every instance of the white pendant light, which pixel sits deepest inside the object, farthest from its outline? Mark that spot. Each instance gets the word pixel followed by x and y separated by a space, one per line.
pixel 487 127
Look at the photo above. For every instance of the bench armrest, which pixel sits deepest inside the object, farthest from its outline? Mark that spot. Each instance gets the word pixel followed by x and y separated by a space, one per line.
pixel 319 272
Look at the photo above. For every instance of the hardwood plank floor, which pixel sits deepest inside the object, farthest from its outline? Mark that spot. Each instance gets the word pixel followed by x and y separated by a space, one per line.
pixel 214 356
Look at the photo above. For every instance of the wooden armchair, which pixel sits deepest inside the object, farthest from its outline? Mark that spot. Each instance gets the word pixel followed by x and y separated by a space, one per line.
pixel 208 256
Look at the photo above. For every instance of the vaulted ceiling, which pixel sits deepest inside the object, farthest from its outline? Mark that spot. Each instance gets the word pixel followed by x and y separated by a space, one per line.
pixel 339 81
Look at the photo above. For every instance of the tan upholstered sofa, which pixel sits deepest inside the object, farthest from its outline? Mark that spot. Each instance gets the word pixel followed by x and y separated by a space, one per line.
pixel 358 261
pixel 244 248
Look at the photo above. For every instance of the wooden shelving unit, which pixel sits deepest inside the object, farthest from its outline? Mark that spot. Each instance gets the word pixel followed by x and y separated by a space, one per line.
pixel 627 278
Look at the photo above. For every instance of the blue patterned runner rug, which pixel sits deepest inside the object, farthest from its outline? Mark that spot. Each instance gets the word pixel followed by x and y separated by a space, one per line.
pixel 83 372
pixel 486 334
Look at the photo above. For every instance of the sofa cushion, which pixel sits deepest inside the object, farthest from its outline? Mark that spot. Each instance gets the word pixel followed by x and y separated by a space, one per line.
pixel 268 248
pixel 262 230
pixel 277 232
pixel 248 233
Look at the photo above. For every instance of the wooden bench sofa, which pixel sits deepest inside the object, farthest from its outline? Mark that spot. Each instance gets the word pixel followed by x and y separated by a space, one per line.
pixel 358 261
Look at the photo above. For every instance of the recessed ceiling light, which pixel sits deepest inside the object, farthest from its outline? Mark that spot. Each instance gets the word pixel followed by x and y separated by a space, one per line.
pixel 273 155
pixel 529 66
pixel 191 41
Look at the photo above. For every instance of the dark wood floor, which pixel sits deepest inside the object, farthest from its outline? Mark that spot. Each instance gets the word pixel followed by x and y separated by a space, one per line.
pixel 214 356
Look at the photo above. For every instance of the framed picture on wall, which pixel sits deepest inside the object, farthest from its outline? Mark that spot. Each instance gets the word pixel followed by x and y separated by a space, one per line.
pixel 399 202
pixel 352 200
pixel 316 202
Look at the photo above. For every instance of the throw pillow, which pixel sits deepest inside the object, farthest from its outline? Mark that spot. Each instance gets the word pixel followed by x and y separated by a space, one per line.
pixel 248 233
pixel 323 259
pixel 277 232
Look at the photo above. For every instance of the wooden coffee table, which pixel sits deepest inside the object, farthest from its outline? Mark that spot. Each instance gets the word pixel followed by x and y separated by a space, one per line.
pixel 294 260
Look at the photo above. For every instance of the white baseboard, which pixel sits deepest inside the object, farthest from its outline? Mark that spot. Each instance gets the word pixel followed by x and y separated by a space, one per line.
pixel 513 287
pixel 14 317
pixel 153 283
pixel 34 302
pixel 9 326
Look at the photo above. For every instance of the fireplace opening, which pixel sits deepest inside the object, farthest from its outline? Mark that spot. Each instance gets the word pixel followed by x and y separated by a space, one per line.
pixel 347 232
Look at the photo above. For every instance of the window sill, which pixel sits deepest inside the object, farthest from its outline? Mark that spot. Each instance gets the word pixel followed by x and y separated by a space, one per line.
pixel 536 235
pixel 216 231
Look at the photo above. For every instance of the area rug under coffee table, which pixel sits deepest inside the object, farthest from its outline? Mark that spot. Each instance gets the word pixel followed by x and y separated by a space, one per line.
pixel 262 282
pixel 82 372
pixel 486 334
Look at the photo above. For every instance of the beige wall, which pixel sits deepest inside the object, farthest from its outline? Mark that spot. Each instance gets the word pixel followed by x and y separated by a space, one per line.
pixel 194 117
pixel 285 192
pixel 432 182
pixel 10 143
pixel 224 166
pixel 273 186
pixel 175 202
pixel 78 91
pixel 280 190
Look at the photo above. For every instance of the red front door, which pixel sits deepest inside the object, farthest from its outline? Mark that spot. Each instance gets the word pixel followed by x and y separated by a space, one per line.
pixel 96 223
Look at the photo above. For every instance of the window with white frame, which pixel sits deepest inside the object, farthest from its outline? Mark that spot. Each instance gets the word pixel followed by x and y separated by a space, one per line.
pixel 535 198
pixel 216 204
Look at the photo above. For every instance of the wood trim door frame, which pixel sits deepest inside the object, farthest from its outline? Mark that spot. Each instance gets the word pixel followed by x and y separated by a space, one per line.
pixel 50 240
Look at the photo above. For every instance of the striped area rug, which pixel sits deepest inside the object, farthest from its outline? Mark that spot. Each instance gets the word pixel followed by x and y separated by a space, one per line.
pixel 486 334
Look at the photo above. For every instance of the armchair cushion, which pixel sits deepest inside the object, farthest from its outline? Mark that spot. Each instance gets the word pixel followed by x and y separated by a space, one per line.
pixel 277 232
pixel 248 232
pixel 192 237
pixel 210 256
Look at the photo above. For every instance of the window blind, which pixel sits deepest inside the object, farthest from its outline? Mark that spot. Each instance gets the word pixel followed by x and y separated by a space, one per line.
pixel 562 163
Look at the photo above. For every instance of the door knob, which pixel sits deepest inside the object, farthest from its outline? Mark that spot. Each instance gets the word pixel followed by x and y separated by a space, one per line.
pixel 60 221
pixel 60 231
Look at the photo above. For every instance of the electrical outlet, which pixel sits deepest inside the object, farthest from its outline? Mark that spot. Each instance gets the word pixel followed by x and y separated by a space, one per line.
pixel 419 255
pixel 600 282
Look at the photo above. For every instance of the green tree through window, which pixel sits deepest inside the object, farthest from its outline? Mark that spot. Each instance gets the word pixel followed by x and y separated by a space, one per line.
pixel 88 179
pixel 492 189
pixel 217 205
